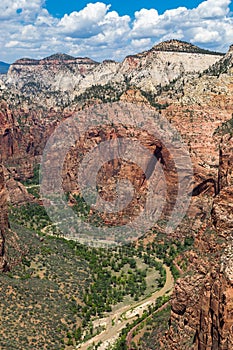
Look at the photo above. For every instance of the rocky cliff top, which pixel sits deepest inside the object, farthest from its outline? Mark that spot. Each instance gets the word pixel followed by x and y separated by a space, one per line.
pixel 57 58
pixel 60 57
pixel 182 46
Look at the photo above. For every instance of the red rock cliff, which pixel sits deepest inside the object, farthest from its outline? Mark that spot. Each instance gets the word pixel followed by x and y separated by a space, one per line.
pixel 4 224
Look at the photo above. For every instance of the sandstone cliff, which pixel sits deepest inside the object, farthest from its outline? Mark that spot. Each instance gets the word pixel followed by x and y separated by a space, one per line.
pixel 4 224
pixel 202 302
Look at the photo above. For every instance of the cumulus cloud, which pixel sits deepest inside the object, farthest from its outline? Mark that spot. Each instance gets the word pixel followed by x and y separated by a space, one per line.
pixel 205 36
pixel 140 43
pixel 28 29
pixel 86 22
pixel 20 9
pixel 210 24
pixel 213 8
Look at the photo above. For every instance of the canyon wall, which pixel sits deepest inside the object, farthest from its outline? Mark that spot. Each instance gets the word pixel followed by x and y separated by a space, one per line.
pixel 202 302
pixel 4 224
pixel 198 105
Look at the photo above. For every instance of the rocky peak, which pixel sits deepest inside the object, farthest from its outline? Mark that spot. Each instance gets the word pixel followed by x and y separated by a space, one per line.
pixel 175 45
pixel 59 57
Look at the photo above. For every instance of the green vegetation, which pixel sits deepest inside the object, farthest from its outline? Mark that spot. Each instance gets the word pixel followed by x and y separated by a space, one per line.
pixel 83 210
pixel 121 342
pixel 219 67
pixel 225 128
pixel 40 298
pixel 113 276
pixel 151 98
pixel 168 250
pixel 106 93
pixel 155 326
pixel 34 190
pixel 35 179
pixel 31 215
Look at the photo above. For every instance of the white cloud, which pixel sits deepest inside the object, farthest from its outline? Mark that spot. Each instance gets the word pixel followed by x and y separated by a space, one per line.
pixel 86 22
pixel 213 8
pixel 44 18
pixel 205 36
pixel 140 43
pixel 20 9
pixel 28 29
pixel 209 24
pixel 145 23
pixel 12 43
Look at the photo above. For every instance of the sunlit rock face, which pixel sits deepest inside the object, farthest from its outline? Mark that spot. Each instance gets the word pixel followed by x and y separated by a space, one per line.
pixel 59 79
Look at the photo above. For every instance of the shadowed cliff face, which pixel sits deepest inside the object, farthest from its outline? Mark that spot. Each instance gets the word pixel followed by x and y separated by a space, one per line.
pixel 202 302
pixel 4 224
pixel 215 330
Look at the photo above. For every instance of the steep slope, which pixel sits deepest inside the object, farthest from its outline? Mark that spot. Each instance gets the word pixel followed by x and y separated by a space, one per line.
pixel 197 105
pixel 59 72
pixel 166 62
pixel 202 302
pixel 4 224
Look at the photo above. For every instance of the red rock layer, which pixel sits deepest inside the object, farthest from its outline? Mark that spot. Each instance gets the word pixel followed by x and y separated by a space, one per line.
pixel 4 224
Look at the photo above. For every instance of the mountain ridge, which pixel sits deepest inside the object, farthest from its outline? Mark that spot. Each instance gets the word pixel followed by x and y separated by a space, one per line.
pixel 175 45
pixel 73 76
pixel 172 45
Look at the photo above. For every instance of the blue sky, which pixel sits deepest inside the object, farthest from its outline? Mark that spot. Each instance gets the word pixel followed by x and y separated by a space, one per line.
pixel 59 8
pixel 109 29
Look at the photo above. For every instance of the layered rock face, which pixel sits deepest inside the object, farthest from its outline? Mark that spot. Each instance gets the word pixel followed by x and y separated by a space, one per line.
pixel 63 72
pixel 23 135
pixel 121 130
pixel 59 79
pixel 215 329
pixel 202 302
pixel 164 63
pixel 4 224
pixel 197 107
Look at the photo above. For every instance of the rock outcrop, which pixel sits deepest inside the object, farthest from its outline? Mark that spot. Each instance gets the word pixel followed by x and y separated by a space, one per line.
pixel 4 224
pixel 202 302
